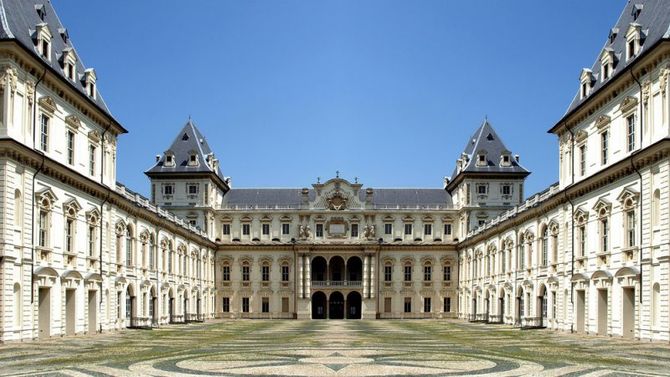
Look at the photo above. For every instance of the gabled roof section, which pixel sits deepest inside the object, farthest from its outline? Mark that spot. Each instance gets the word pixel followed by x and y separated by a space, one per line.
pixel 18 21
pixel 189 141
pixel 653 17
pixel 485 141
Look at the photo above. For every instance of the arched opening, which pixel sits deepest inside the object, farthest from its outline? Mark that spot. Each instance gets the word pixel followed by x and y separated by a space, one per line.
pixel 542 305
pixel 319 305
pixel 185 307
pixel 519 305
pixel 18 214
pixel 354 305
pixel 171 304
pixel 336 305
pixel 153 307
pixel 336 269
pixel 130 305
pixel 501 306
pixel 319 267
pixel 18 306
pixel 656 208
pixel 354 269
pixel 656 305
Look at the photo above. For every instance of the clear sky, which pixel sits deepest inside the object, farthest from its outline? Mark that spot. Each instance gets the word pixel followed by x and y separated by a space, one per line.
pixel 387 91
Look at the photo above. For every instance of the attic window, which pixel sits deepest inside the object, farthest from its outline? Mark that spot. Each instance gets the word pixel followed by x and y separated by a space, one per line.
pixel 586 80
pixel 481 159
pixel 633 40
pixel 89 82
pixel 41 11
pixel 64 34
pixel 635 12
pixel 613 33
pixel 193 159
pixel 169 160
pixel 185 137
pixel 43 41
pixel 505 160
pixel 489 137
pixel 69 61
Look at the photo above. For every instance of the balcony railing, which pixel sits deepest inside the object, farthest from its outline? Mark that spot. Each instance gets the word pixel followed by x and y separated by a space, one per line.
pixel 337 283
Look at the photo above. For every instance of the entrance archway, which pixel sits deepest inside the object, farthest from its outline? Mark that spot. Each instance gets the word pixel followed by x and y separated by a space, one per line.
pixel 319 305
pixel 336 306
pixel 130 305
pixel 319 267
pixel 542 306
pixel 354 305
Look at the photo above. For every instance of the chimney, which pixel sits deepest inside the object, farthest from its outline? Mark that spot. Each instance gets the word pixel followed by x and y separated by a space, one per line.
pixel 517 158
pixel 368 195
pixel 158 157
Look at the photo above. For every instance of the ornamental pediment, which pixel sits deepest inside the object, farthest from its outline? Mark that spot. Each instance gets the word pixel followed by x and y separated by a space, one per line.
pixel 337 194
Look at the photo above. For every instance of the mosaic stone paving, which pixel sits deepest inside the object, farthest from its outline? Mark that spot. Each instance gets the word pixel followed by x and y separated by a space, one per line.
pixel 335 348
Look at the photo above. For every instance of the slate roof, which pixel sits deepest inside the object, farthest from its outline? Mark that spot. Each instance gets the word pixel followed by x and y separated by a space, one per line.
pixel 292 197
pixel 188 140
pixel 654 21
pixel 485 139
pixel 18 21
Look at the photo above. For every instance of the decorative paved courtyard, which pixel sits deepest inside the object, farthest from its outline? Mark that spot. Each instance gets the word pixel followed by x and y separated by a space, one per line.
pixel 335 348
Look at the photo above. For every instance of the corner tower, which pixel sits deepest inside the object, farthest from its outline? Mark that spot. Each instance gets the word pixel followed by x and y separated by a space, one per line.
pixel 187 180
pixel 488 179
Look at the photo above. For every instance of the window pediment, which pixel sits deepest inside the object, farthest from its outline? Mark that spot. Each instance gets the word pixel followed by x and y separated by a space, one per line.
pixel 580 136
pixel 46 198
pixel 71 208
pixel 73 121
pixel 602 207
pixel 93 216
pixel 628 104
pixel 48 104
pixel 628 198
pixel 581 215
pixel 602 121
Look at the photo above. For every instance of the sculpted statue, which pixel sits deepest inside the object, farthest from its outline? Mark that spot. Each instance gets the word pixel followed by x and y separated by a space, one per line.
pixel 301 231
pixel 308 232
pixel 369 231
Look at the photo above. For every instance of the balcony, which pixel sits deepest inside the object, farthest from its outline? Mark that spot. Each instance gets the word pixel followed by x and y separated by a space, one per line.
pixel 337 284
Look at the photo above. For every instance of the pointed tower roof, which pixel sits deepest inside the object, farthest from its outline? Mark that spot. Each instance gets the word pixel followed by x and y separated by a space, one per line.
pixel 486 154
pixel 19 20
pixel 189 155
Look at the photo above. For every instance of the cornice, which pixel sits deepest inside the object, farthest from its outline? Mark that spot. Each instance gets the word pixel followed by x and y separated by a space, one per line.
pixel 12 149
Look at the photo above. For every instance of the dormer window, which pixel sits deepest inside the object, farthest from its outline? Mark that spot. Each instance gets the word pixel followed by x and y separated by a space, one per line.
pixel 192 159
pixel 41 11
pixel 481 159
pixel 505 160
pixel 586 80
pixel 89 82
pixel 69 61
pixel 607 59
pixel 64 35
pixel 169 160
pixel 613 33
pixel 633 40
pixel 636 10
pixel 43 41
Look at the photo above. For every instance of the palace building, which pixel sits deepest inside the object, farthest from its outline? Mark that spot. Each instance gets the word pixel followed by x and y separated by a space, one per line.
pixel 82 253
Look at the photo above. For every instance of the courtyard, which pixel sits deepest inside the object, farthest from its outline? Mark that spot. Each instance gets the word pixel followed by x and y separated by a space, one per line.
pixel 345 348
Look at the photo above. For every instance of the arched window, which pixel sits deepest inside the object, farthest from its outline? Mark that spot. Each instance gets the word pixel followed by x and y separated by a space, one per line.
pixel 656 305
pixel 427 271
pixel 129 246
pixel 246 271
pixel 408 271
pixel 545 247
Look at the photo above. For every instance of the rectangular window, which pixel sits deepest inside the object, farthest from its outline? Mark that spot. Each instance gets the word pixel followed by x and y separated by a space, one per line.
pixel 388 272
pixel 630 228
pixel 408 229
pixel 604 140
pixel 44 48
pixel 226 273
pixel 408 304
pixel 604 235
pixel 447 229
pixel 265 305
pixel 284 273
pixel 44 132
pixel 245 304
pixel 630 132
pixel 69 135
pixel 426 304
pixel 129 250
pixel 388 228
pixel 319 230
pixel 427 273
pixel 481 190
pixel 226 304
pixel 507 189
pixel 387 304
pixel 427 229
pixel 91 160
pixel 43 226
pixel 582 240
pixel 408 273
pixel 91 240
pixel 168 190
pixel 446 273
pixel 354 230
pixel 447 304
pixel 582 160
pixel 245 273
pixel 285 228
pixel 69 235
pixel 226 229
pixel 265 272
pixel 265 228
pixel 246 229
pixel 192 189
pixel 284 304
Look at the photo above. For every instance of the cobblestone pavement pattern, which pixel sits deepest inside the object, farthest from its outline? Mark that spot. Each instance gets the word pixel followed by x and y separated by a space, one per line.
pixel 335 348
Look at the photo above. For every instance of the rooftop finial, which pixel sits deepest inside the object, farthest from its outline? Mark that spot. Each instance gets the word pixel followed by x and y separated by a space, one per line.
pixel 337 174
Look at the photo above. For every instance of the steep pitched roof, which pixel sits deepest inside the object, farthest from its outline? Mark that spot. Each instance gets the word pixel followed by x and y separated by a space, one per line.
pixel 653 17
pixel 188 141
pixel 18 21
pixel 486 141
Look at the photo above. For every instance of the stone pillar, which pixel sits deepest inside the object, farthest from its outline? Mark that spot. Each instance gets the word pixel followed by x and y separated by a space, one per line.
pixel 373 275
pixel 300 278
pixel 366 277
pixel 308 278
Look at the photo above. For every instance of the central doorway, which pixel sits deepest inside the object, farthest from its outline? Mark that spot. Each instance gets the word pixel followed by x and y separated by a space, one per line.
pixel 354 305
pixel 336 306
pixel 319 305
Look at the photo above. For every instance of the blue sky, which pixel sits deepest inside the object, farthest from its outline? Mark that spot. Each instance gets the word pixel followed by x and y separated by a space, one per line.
pixel 387 91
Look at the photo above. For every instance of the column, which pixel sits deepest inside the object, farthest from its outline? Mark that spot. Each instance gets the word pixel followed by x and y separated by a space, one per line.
pixel 366 276
pixel 300 277
pixel 373 275
pixel 308 277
